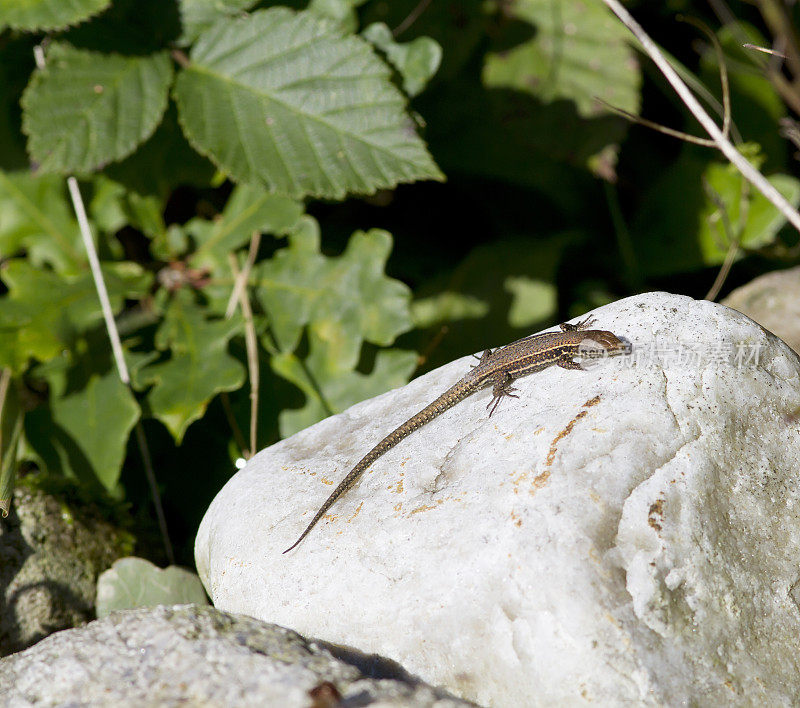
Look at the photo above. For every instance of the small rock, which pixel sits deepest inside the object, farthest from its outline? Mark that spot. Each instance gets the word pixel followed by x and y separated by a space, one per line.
pixel 51 552
pixel 772 300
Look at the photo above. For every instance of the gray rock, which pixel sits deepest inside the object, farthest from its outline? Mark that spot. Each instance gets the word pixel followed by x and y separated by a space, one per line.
pixel 193 655
pixel 772 300
pixel 50 556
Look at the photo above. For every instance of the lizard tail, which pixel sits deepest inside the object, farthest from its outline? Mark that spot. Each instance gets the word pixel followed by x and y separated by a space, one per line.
pixel 448 399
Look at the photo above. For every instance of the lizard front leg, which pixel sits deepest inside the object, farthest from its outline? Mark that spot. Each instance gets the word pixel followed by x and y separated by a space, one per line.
pixel 583 324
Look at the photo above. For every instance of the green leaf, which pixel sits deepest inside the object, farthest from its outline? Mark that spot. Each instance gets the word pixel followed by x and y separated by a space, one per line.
pixel 11 419
pixel 330 387
pixel 346 300
pixel 447 307
pixel 113 206
pixel 341 302
pixel 285 101
pixel 248 209
pixel 670 240
pixel 198 15
pixel 417 61
pixel 136 582
pixel 752 217
pixel 83 432
pixel 462 27
pixel 106 206
pixel 85 109
pixel 36 216
pixel 199 366
pixel 42 15
pixel 534 301
pixel 43 313
pixel 342 12
pixel 580 51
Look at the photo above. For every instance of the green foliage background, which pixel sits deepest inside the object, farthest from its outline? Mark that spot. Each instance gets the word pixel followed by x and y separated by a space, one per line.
pixel 429 180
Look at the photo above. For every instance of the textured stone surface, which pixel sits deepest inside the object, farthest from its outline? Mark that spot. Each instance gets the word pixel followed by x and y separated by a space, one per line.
pixel 197 656
pixel 51 553
pixel 772 300
pixel 626 535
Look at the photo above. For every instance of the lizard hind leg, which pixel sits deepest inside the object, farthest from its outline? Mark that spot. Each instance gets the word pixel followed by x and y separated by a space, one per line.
pixel 502 388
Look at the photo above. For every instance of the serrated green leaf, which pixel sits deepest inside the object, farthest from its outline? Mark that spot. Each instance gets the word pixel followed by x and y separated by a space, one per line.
pixel 136 582
pixel 417 61
pixel 283 100
pixel 342 12
pixel 43 312
pixel 579 51
pixel 86 109
pixel 36 216
pixel 41 15
pixel 198 15
pixel 199 366
pixel 83 432
pixel 248 209
pixel 347 299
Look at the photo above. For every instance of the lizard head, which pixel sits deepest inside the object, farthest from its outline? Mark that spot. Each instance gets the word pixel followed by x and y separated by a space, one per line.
pixel 597 343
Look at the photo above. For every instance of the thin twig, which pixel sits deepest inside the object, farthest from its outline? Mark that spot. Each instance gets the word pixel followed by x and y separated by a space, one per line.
pixel 99 282
pixel 180 58
pixel 251 343
pixel 243 277
pixel 704 142
pixel 750 173
pixel 723 70
pixel 411 18
pixel 144 450
pixel 779 23
pixel 774 53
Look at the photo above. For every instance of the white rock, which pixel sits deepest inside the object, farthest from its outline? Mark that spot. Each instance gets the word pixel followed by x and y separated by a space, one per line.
pixel 626 534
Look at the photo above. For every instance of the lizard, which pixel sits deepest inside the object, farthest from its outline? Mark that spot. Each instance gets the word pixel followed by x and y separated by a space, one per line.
pixel 498 369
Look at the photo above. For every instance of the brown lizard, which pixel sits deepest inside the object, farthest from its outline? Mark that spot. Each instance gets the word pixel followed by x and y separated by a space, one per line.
pixel 497 369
